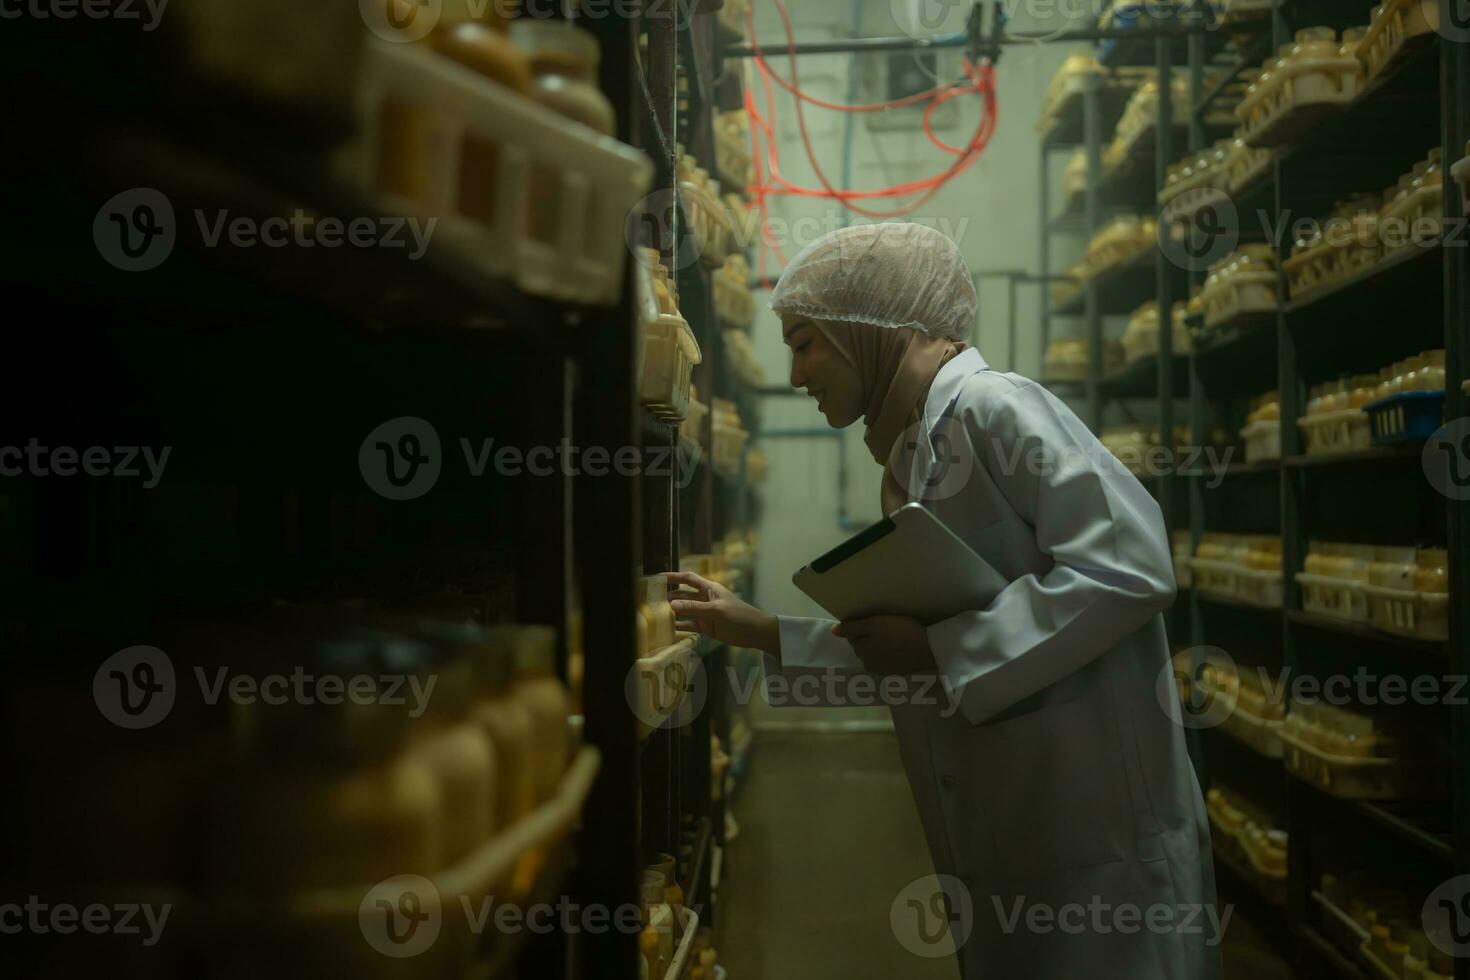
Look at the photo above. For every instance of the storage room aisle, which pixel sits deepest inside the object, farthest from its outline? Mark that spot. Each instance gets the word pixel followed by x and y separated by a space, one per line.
pixel 828 839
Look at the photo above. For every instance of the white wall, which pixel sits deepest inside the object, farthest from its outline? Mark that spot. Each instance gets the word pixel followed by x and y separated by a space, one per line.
pixel 991 211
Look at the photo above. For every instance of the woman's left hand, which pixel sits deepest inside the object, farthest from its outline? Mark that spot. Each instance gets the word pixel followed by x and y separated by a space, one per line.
pixel 889 644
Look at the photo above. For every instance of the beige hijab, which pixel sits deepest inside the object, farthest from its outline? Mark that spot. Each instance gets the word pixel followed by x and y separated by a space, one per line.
pixel 896 367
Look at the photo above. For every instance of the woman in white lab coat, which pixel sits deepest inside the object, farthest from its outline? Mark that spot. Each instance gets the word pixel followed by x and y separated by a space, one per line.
pixel 1059 804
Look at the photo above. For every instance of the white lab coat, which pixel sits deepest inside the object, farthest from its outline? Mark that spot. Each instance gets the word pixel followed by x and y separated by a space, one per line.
pixel 1061 781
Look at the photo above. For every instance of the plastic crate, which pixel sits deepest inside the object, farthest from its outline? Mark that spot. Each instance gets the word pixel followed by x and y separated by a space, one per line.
pixel 1339 598
pixel 733 164
pixel 1247 167
pixel 669 355
pixel 1261 734
pixel 1362 778
pixel 1262 441
pixel 1461 173
pixel 709 223
pixel 1271 881
pixel 1215 577
pixel 1298 97
pixel 595 179
pixel 733 302
pixel 1336 432
pixel 658 687
pixel 323 928
pixel 730 19
pixel 1334 260
pixel 1413 416
pixel 691 429
pixel 1259 587
pixel 728 448
pixel 1242 294
pixel 1398 22
pixel 1338 925
pixel 1406 612
pixel 1405 220
pixel 1183 574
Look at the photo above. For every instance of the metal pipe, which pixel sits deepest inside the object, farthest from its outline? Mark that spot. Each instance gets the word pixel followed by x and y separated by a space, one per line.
pixel 868 45
pixel 1092 130
pixel 1164 275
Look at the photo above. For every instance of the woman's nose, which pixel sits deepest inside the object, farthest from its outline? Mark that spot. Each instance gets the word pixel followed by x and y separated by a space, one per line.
pixel 798 378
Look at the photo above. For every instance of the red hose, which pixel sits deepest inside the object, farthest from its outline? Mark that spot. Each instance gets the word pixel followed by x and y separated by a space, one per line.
pixel 981 81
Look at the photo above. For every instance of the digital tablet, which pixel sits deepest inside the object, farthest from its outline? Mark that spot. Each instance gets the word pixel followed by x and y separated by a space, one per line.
pixel 908 564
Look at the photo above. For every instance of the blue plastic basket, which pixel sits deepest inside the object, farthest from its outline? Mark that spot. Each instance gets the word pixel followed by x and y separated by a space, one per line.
pixel 1413 416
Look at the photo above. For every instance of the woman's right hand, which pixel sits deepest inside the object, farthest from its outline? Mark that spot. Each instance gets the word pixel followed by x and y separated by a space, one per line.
pixel 715 611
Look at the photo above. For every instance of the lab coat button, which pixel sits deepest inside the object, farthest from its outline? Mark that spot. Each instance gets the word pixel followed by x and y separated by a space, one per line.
pixel 947 781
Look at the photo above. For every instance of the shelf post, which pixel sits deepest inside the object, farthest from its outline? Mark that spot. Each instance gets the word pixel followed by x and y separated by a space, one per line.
pixel 1163 156
pixel 1045 258
pixel 607 536
pixel 1092 134
pixel 1454 80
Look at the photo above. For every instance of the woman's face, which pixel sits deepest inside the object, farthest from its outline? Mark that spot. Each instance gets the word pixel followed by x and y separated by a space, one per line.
pixel 820 368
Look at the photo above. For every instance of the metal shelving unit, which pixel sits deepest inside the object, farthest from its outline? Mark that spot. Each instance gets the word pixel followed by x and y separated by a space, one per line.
pixel 266 369
pixel 1379 495
pixel 1424 292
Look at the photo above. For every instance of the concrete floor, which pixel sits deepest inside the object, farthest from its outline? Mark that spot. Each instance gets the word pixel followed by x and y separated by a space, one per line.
pixel 828 838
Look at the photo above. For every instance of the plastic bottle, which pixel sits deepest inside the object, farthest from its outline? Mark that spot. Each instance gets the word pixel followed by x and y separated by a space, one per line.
pixel 449 741
pixel 564 61
pixel 536 686
pixel 510 727
pixel 328 795
pixel 648 965
pixel 484 49
pixel 406 140
pixel 659 917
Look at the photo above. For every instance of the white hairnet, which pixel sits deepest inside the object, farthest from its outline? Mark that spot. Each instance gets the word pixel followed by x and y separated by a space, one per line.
pixel 894 274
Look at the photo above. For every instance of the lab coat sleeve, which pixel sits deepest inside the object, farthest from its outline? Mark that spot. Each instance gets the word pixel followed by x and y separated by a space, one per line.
pixel 1112 572
pixel 810 643
pixel 815 667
